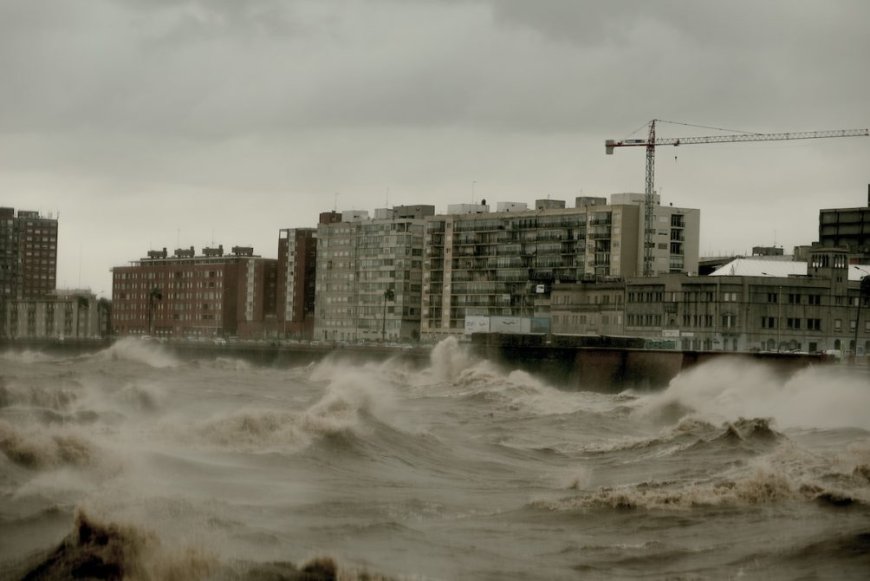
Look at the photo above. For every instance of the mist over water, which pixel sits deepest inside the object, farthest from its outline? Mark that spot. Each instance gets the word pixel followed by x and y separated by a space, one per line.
pixel 134 463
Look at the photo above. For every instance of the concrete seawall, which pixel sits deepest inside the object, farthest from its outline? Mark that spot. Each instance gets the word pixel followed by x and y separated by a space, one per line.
pixel 597 368
pixel 618 367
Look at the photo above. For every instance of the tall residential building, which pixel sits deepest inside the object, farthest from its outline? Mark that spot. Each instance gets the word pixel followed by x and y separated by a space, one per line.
pixel 369 275
pixel 28 258
pixel 28 254
pixel 504 264
pixel 297 262
pixel 210 295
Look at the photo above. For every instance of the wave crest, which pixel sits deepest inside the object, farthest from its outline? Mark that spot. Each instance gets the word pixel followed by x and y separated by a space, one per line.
pixel 100 550
pixel 757 488
pixel 39 451
pixel 138 351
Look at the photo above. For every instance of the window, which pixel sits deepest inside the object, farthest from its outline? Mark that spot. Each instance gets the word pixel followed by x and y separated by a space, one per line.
pixel 771 297
pixel 838 324
pixel 814 324
pixel 768 322
pixel 793 323
pixel 794 299
pixel 814 299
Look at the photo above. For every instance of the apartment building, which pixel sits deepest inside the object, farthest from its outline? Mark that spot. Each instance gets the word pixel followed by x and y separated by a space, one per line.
pixel 758 307
pixel 28 257
pixel 504 264
pixel 28 254
pixel 296 275
pixel 369 275
pixel 188 295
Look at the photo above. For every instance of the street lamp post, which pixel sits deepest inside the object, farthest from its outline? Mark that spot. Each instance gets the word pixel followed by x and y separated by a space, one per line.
pixel 389 295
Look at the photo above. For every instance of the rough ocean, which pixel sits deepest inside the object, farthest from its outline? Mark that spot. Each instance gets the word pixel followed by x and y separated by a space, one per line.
pixel 130 463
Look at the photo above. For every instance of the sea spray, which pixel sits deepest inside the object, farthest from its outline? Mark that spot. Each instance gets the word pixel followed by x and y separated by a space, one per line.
pixel 724 390
pixel 139 351
pixel 470 473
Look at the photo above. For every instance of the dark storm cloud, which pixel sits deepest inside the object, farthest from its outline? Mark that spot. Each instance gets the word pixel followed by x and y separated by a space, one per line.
pixel 223 68
pixel 187 102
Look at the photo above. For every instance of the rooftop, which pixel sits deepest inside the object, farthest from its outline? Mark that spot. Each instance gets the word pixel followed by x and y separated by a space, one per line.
pixel 779 268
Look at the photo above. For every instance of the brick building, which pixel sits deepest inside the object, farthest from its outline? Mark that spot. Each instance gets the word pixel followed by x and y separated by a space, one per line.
pixel 297 261
pixel 28 254
pixel 28 257
pixel 185 295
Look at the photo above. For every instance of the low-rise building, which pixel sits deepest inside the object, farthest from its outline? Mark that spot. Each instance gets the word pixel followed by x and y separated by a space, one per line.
pixel 751 305
pixel 61 314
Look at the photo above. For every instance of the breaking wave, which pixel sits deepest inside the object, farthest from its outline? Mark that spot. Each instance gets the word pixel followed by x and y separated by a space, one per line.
pixel 96 549
pixel 820 397
pixel 100 550
pixel 138 351
pixel 348 404
pixel 57 399
pixel 40 450
pixel 26 357
pixel 762 486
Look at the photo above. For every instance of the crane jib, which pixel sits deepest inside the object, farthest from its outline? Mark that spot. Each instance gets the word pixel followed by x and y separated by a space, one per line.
pixel 652 142
pixel 610 144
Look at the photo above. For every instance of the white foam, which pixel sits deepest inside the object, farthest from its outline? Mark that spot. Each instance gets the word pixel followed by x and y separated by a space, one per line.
pixel 136 350
pixel 820 397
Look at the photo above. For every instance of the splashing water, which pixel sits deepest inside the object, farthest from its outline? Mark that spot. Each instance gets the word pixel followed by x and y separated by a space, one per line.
pixel 133 463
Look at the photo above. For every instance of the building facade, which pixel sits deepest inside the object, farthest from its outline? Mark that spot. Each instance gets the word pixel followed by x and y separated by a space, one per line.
pixel 847 228
pixel 184 295
pixel 28 257
pixel 28 254
pixel 818 311
pixel 71 314
pixel 369 275
pixel 297 262
pixel 505 264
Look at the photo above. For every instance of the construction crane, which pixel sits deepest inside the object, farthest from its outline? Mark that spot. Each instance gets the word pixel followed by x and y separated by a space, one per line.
pixel 652 142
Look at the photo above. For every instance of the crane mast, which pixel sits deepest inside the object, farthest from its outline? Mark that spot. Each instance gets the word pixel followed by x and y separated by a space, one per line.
pixel 652 142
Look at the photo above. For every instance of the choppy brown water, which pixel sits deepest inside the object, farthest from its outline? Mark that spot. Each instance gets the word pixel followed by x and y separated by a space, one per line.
pixel 131 464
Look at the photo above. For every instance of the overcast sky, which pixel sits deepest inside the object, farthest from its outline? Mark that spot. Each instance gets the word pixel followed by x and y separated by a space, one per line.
pixel 152 123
